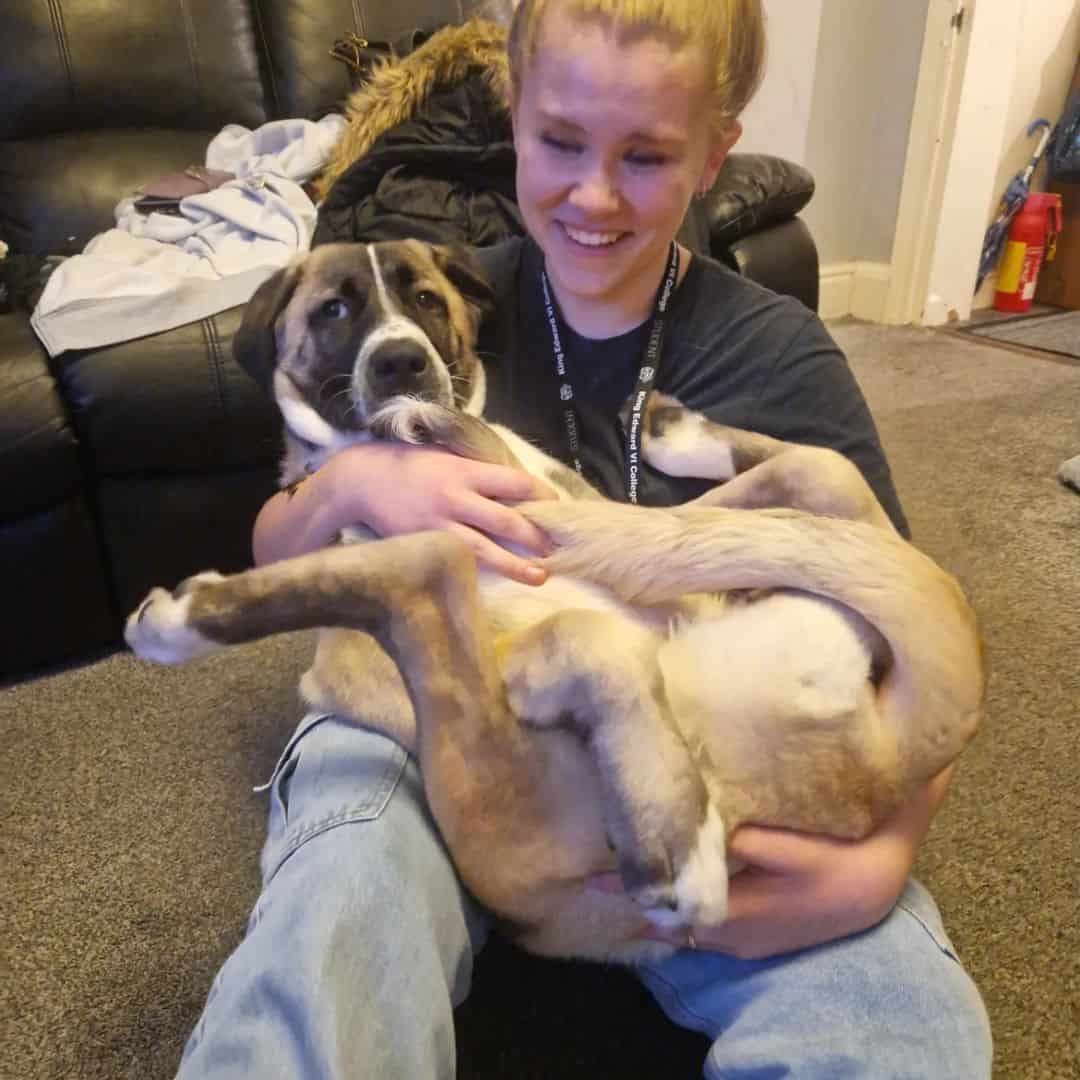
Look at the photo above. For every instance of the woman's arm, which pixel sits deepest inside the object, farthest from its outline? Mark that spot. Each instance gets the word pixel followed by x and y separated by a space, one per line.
pixel 395 489
pixel 799 890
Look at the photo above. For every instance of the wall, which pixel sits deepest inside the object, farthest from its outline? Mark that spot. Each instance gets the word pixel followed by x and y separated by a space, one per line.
pixel 867 66
pixel 777 120
pixel 837 97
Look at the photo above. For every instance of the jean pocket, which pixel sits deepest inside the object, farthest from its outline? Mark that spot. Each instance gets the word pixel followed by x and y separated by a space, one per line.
pixel 278 784
pixel 331 772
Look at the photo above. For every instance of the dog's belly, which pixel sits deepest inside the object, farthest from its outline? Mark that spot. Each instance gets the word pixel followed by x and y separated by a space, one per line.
pixel 776 699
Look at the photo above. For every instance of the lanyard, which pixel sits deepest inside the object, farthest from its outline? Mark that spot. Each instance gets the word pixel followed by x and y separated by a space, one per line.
pixel 646 377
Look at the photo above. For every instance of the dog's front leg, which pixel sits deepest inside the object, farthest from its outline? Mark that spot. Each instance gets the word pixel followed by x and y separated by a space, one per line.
pixel 598 673
pixel 755 471
pixel 485 779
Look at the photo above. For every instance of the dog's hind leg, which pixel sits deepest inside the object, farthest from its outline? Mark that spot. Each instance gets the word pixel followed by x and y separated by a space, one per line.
pixel 755 471
pixel 599 674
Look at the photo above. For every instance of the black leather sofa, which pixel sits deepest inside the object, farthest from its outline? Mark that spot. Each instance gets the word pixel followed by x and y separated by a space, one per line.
pixel 142 462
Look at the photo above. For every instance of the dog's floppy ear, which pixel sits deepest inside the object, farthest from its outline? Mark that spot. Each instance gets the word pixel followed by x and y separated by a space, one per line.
pixel 465 273
pixel 255 344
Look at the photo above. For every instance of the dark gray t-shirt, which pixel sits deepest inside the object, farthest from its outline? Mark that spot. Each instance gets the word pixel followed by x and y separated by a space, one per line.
pixel 732 349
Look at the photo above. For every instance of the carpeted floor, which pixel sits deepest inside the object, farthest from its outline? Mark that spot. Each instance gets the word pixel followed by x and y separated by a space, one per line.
pixel 130 832
pixel 1056 332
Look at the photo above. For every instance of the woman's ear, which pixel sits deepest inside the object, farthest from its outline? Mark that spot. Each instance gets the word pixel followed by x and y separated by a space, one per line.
pixel 721 147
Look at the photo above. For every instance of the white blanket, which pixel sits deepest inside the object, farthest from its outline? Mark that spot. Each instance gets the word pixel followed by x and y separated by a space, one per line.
pixel 156 271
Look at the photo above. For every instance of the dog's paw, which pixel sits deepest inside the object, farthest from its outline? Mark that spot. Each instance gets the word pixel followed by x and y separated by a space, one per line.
pixel 701 885
pixel 535 694
pixel 409 420
pixel 698 895
pixel 680 442
pixel 158 629
pixel 1069 473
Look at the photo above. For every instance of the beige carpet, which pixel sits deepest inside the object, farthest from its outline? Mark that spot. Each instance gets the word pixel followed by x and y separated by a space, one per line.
pixel 130 832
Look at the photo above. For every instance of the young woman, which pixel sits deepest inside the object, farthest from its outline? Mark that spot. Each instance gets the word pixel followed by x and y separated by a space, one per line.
pixel 362 939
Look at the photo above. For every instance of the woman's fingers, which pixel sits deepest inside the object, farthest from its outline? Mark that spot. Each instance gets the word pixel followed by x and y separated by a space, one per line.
pixel 501 522
pixel 510 484
pixel 497 558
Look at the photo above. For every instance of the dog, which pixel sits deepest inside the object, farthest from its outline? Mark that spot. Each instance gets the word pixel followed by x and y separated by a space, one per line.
pixel 634 710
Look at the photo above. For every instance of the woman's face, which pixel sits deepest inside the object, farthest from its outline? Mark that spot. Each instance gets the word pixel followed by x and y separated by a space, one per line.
pixel 612 142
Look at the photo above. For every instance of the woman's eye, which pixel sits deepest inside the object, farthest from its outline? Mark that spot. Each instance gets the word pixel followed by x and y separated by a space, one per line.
pixel 646 160
pixel 334 309
pixel 563 146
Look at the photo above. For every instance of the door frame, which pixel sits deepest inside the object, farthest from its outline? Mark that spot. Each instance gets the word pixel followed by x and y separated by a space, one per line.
pixel 965 83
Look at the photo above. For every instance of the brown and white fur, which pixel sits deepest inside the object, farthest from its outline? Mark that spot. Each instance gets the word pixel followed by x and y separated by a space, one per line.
pixel 632 702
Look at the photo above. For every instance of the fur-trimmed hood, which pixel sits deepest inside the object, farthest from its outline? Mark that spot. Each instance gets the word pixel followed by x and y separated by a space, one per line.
pixel 397 88
pixel 429 150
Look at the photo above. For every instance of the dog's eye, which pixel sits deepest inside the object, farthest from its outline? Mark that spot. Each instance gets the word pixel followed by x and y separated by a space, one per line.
pixel 334 309
pixel 428 300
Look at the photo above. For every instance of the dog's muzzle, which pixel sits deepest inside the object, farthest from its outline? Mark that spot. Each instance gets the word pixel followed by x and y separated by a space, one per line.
pixel 400 367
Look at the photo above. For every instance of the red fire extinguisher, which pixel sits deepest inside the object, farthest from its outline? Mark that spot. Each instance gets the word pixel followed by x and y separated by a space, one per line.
pixel 1032 235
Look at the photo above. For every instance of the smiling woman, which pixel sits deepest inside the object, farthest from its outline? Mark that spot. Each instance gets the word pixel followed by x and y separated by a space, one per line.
pixel 622 110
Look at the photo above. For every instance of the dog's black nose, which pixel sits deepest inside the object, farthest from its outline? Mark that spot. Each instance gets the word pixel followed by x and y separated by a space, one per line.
pixel 399 367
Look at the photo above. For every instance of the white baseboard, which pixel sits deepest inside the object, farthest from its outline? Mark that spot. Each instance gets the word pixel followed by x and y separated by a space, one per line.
pixel 854 288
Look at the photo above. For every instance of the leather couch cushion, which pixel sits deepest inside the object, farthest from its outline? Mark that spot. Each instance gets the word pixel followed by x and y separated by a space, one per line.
pixel 56 602
pixel 69 64
pixel 305 80
pixel 39 461
pixel 159 530
pixel 782 257
pixel 171 402
pixel 59 191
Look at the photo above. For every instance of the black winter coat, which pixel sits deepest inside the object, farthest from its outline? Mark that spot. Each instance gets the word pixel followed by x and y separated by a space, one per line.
pixel 445 175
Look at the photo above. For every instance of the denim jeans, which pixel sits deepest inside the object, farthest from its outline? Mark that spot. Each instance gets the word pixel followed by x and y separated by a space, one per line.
pixel 361 944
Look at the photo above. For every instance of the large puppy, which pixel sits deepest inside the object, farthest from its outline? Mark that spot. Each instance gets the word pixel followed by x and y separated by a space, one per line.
pixel 625 702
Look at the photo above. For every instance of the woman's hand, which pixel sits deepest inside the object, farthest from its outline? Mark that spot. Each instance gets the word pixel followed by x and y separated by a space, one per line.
pixel 799 890
pixel 395 489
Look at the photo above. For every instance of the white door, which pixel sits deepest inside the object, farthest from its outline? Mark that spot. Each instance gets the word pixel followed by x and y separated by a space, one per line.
pixel 930 145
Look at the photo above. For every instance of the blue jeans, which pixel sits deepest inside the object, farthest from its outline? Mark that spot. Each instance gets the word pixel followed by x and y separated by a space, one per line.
pixel 361 944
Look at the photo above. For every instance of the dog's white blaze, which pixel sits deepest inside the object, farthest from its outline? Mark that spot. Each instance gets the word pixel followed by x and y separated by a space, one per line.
pixel 395 326
pixel 380 285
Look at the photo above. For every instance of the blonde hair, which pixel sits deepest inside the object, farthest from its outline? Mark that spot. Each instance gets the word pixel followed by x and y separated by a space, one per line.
pixel 731 33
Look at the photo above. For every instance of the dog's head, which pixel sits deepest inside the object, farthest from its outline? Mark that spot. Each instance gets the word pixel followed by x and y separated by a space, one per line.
pixel 349 326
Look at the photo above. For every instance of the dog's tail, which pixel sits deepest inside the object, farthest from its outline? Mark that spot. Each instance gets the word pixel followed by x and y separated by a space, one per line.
pixel 931 694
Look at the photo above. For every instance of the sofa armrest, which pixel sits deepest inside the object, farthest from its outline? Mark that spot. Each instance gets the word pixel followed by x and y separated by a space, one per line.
pixel 751 192
pixel 782 257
